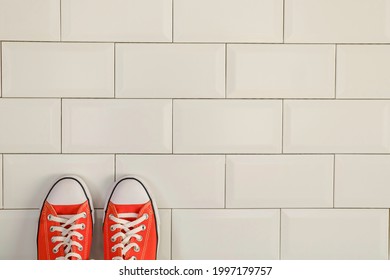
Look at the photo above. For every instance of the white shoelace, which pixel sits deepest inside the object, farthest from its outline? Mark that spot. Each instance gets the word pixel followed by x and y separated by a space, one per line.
pixel 126 233
pixel 67 229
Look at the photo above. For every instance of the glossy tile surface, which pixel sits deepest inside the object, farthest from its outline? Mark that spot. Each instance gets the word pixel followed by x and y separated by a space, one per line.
pixel 179 181
pixel 117 20
pixel 58 70
pixel 228 20
pixel 226 126
pixel 117 126
pixel 337 21
pixel 30 126
pixel 337 234
pixel 166 70
pixel 279 181
pixel 28 178
pixel 337 126
pixel 259 240
pixel 280 71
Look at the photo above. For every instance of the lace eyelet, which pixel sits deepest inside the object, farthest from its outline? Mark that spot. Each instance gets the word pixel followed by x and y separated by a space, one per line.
pixel 133 258
pixel 49 217
pixel 55 251
pixel 113 249
pixel 113 239
pixel 112 228
pixel 84 214
pixel 136 249
pixel 52 240
pixel 146 216
pixel 51 229
pixel 143 227
pixel 80 248
pixel 81 237
pixel 82 226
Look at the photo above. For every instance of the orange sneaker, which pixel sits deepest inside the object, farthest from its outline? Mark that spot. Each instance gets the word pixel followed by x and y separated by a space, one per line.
pixel 66 221
pixel 130 223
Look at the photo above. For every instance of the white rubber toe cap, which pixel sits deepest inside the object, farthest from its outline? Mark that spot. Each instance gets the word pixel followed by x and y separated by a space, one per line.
pixel 129 191
pixel 67 191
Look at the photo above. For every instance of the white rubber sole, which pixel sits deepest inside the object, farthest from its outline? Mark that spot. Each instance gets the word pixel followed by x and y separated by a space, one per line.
pixel 154 204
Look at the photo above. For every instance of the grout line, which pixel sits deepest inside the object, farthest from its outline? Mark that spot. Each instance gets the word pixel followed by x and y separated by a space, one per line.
pixel 172 126
pixel 61 127
pixel 334 179
pixel 173 20
pixel 171 247
pixel 114 70
pixel 335 72
pixel 226 77
pixel 225 182
pixel 284 15
pixel 280 234
pixel 282 126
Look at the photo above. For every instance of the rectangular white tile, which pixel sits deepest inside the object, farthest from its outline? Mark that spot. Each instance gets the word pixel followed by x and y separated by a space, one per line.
pixel 362 181
pixel 173 177
pixel 117 126
pixel 335 234
pixel 58 70
pixel 227 126
pixel 280 71
pixel 117 20
pixel 279 181
pixel 338 21
pixel 30 125
pixel 225 234
pixel 228 20
pixel 18 234
pixel 28 178
pixel 164 252
pixel 337 126
pixel 170 70
pixel 37 20
pixel 363 71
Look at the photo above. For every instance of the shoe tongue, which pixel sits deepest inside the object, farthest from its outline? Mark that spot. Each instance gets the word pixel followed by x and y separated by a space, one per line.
pixel 133 208
pixel 67 211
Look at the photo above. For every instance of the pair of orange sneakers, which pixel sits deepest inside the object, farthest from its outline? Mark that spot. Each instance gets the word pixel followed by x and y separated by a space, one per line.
pixel 130 222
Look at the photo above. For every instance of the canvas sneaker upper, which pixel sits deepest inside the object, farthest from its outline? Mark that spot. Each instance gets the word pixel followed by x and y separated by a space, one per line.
pixel 130 226
pixel 66 221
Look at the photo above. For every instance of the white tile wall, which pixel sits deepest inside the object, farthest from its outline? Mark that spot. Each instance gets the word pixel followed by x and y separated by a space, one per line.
pixel 337 126
pixel 26 20
pixel 170 70
pixel 142 126
pixel 172 178
pixel 225 234
pixel 117 20
pixel 335 234
pixel 281 71
pixel 30 125
pixel 279 181
pixel 226 126
pixel 337 21
pixel 228 20
pixel 58 70
pixel 231 111
pixel 362 71
pixel 362 181
pixel 29 177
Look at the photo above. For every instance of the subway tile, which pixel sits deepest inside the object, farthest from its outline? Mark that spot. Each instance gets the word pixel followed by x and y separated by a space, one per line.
pixel 337 21
pixel 37 20
pixel 279 181
pixel 335 234
pixel 117 126
pixel 170 70
pixel 362 181
pixel 30 126
pixel 362 71
pixel 336 126
pixel 173 177
pixel 227 126
pixel 280 71
pixel 18 234
pixel 58 70
pixel 164 252
pixel 216 231
pixel 228 21
pixel 117 20
pixel 39 172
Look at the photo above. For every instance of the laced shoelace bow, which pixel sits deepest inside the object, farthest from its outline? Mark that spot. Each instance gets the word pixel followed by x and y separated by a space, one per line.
pixel 67 229
pixel 128 230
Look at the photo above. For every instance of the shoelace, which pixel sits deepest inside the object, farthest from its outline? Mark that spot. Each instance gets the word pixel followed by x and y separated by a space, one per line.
pixel 126 233
pixel 67 228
